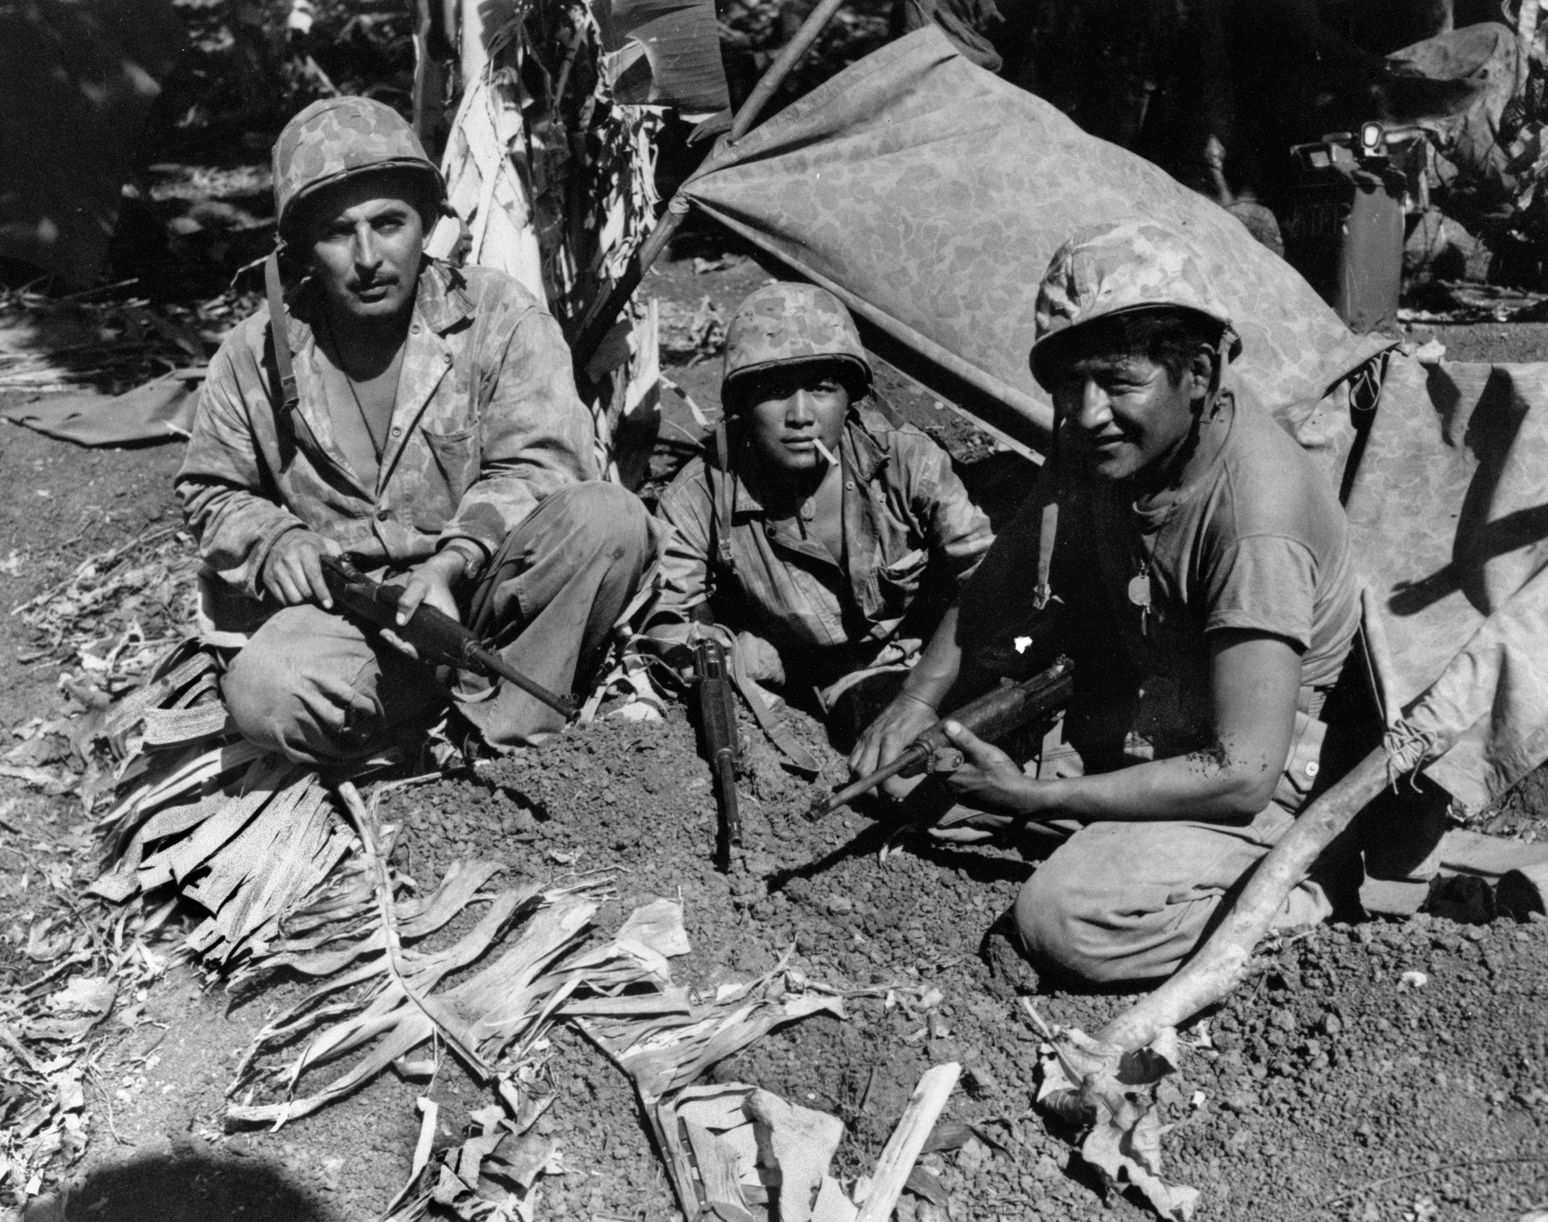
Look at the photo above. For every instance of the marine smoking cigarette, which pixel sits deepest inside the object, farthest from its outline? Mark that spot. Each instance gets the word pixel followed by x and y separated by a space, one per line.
pixel 824 451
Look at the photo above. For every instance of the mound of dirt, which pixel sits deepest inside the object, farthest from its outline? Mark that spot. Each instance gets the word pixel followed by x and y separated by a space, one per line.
pixel 1365 1072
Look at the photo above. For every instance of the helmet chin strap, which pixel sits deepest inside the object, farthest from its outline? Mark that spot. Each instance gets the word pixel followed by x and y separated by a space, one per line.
pixel 1222 359
pixel 1050 481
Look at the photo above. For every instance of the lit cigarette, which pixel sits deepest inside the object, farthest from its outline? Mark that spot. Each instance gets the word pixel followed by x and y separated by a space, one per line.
pixel 825 452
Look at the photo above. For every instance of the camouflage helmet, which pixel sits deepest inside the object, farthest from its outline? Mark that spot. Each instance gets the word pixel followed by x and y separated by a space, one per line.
pixel 336 138
pixel 783 324
pixel 1116 269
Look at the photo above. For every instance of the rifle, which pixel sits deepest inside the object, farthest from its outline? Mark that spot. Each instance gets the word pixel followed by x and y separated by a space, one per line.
pixel 990 716
pixel 721 745
pixel 434 634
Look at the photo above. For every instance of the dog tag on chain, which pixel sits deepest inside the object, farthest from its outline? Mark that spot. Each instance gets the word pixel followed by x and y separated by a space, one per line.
pixel 1139 595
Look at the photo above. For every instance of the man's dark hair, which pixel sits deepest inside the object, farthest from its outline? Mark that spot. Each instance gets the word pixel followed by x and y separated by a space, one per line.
pixel 1168 337
pixel 742 391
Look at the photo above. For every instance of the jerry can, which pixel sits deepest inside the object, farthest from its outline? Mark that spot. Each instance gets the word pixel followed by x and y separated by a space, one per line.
pixel 1344 224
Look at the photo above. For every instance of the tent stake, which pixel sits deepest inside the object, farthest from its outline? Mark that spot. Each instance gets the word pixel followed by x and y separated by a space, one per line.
pixel 600 318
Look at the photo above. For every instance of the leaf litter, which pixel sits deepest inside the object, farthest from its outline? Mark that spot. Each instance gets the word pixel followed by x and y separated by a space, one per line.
pixel 106 625
pixel 262 867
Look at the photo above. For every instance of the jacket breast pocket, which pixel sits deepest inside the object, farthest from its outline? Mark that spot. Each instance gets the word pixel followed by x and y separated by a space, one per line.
pixel 898 582
pixel 450 468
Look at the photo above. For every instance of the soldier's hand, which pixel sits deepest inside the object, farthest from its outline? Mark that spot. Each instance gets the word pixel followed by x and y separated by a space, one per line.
pixel 429 583
pixel 988 780
pixel 291 573
pixel 902 721
pixel 758 659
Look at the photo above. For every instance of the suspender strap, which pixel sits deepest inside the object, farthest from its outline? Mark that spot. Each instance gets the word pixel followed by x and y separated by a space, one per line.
pixel 283 372
pixel 280 333
pixel 722 485
pixel 288 422
pixel 883 408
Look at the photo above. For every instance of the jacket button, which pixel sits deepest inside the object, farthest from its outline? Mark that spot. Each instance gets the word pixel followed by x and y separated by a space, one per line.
pixel 415 328
pixel 382 515
pixel 397 431
pixel 1313 767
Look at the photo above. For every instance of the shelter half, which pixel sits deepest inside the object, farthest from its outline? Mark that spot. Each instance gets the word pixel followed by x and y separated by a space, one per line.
pixel 929 195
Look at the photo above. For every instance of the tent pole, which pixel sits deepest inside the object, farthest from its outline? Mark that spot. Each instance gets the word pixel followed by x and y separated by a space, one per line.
pixel 600 318
pixel 816 21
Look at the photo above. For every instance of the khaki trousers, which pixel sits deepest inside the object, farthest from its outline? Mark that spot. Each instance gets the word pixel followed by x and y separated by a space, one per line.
pixel 318 688
pixel 1128 902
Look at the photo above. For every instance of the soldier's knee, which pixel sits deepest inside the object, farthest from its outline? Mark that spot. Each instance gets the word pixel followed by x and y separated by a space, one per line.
pixel 1068 926
pixel 263 696
pixel 304 686
pixel 1045 919
pixel 606 518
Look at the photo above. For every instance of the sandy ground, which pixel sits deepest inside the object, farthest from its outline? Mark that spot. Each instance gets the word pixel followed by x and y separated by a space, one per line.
pixel 1383 1070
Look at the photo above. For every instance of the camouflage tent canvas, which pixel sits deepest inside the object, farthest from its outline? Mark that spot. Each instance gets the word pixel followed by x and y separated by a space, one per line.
pixel 929 195
pixel 1449 504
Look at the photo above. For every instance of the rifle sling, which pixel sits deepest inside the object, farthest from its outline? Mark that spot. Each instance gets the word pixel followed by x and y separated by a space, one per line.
pixel 770 722
pixel 722 487
pixel 722 504
pixel 288 422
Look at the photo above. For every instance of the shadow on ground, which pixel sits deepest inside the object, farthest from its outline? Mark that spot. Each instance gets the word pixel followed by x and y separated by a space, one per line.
pixel 182 1188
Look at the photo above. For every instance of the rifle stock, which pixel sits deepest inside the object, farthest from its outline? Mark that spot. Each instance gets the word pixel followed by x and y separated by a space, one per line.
pixel 433 634
pixel 991 716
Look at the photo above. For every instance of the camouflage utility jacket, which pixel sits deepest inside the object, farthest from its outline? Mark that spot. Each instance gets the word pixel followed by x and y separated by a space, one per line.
pixel 909 529
pixel 487 424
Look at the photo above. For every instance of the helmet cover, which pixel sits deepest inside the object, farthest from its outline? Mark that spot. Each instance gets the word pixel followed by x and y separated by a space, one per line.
pixel 1115 269
pixel 337 138
pixel 786 323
